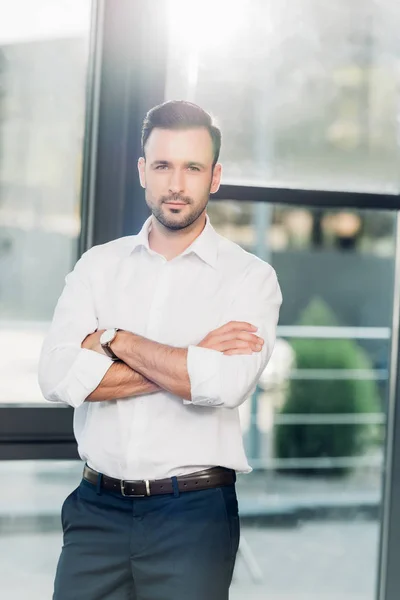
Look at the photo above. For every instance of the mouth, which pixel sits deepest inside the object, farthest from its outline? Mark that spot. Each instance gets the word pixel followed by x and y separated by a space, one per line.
pixel 176 204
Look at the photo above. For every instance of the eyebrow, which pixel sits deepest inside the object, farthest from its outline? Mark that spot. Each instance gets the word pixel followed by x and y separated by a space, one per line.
pixel 195 164
pixel 157 163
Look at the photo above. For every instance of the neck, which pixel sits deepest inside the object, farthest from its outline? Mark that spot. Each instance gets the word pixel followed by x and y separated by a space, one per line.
pixel 171 243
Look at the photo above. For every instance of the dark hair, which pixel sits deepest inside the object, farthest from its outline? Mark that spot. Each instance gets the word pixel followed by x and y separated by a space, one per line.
pixel 179 114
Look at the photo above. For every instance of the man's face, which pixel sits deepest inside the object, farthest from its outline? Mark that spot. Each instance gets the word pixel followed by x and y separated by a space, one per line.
pixel 178 175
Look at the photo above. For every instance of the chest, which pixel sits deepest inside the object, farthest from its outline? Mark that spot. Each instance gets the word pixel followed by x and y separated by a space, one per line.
pixel 176 302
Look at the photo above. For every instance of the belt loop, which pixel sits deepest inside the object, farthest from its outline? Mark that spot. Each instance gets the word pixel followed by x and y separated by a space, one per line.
pixel 98 484
pixel 175 487
pixel 234 475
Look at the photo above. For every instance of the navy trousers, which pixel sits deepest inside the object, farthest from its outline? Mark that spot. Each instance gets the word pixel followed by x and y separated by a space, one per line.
pixel 167 547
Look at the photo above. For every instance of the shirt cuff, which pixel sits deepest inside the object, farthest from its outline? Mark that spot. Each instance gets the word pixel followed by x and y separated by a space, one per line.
pixel 84 376
pixel 204 369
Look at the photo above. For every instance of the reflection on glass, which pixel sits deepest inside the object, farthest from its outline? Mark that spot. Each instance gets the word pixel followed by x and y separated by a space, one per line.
pixel 306 96
pixel 30 524
pixel 315 427
pixel 314 431
pixel 263 228
pixel 43 59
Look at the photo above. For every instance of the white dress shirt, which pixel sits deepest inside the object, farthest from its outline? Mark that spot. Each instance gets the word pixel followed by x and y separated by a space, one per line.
pixel 125 284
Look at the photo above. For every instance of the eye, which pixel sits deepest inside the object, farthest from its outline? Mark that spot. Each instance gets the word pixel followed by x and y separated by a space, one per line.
pixel 161 167
pixel 193 168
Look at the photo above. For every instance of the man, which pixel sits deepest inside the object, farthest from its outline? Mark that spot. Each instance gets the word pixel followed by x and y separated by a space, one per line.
pixel 156 340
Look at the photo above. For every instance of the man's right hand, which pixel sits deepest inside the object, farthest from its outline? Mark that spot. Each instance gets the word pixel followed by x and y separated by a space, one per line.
pixel 235 337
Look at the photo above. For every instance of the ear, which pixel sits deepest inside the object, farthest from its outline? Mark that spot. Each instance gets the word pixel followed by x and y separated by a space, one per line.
pixel 216 178
pixel 141 169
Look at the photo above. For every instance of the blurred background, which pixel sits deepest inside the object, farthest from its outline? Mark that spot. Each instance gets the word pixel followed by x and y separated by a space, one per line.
pixel 306 93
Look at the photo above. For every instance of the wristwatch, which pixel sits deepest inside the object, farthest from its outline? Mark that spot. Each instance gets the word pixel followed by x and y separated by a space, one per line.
pixel 106 338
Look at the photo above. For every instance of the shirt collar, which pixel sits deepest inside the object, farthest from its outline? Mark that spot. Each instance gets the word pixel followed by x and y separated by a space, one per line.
pixel 205 245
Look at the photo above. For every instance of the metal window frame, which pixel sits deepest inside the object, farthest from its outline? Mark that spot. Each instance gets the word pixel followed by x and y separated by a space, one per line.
pixel 388 582
pixel 126 77
pixel 308 197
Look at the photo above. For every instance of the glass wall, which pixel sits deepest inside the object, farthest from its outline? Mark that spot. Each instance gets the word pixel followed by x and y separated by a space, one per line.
pixel 315 427
pixel 30 524
pixel 314 431
pixel 306 92
pixel 43 61
pixel 306 96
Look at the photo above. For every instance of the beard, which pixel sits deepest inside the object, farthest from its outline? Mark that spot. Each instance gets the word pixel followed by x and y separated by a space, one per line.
pixel 179 218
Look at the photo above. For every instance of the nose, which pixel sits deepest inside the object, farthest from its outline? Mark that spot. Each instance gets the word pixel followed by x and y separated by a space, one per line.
pixel 176 182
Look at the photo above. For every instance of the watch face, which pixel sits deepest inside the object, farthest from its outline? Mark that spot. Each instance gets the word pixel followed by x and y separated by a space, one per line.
pixel 107 336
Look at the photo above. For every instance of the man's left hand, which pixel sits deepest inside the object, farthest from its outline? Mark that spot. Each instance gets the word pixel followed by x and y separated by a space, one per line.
pixel 92 342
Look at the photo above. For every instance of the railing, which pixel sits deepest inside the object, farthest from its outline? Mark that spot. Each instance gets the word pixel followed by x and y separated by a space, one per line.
pixel 331 419
pixel 325 462
pixel 339 374
pixel 316 332
pixel 331 333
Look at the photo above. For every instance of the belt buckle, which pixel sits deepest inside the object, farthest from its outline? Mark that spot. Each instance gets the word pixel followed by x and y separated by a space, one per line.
pixel 146 481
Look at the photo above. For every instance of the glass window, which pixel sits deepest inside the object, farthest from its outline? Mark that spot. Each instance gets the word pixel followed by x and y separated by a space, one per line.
pixel 306 95
pixel 31 534
pixel 260 227
pixel 43 61
pixel 314 429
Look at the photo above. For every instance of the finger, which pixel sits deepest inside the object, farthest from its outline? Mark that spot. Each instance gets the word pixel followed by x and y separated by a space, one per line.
pixel 237 326
pixel 241 335
pixel 238 351
pixel 230 345
pixel 237 345
pixel 249 346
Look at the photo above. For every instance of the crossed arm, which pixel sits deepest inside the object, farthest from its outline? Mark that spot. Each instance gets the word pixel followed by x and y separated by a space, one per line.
pixel 121 381
pixel 147 367
pixel 150 367
pixel 73 371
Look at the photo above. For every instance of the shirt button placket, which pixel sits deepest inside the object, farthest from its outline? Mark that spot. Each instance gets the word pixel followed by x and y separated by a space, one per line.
pixel 157 305
pixel 137 435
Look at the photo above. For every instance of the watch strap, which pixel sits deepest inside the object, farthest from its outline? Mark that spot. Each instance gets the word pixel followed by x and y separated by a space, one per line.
pixel 107 349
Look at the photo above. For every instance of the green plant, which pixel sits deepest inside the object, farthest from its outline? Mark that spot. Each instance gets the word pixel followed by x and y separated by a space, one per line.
pixel 327 396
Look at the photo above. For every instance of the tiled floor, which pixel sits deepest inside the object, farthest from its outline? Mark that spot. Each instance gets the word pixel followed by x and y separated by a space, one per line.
pixel 315 561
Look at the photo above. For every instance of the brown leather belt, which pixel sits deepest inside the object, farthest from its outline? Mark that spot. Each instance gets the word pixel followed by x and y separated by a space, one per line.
pixel 209 478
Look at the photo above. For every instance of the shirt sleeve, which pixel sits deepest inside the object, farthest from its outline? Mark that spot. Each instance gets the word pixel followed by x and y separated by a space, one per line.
pixel 68 373
pixel 226 381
